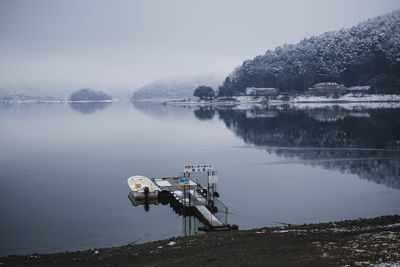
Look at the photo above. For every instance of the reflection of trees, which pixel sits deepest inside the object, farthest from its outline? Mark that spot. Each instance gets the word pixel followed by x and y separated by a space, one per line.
pixel 293 128
pixel 379 166
pixel 205 113
pixel 162 112
pixel 89 107
pixel 300 128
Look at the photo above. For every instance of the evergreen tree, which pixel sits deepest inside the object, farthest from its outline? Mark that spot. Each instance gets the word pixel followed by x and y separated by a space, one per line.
pixel 204 92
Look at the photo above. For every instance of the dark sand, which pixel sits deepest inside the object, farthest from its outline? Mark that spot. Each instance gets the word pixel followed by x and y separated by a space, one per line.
pixel 354 242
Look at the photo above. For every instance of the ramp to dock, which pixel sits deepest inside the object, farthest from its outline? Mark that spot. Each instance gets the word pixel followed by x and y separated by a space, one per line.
pixel 208 216
pixel 190 197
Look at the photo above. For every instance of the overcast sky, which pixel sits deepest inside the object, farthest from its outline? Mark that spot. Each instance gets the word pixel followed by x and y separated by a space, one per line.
pixel 126 44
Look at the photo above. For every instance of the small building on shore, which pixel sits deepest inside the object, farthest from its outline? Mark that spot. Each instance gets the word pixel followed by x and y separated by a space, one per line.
pixel 261 91
pixel 328 88
pixel 358 90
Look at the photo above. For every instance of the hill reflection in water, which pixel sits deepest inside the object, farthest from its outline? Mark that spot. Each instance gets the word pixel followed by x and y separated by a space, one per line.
pixel 89 107
pixel 330 128
pixel 362 142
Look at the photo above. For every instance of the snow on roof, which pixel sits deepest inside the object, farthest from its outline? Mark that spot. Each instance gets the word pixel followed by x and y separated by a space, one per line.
pixel 358 88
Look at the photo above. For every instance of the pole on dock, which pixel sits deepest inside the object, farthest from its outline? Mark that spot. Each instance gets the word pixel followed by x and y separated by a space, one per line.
pixel 208 188
pixel 189 197
pixel 184 196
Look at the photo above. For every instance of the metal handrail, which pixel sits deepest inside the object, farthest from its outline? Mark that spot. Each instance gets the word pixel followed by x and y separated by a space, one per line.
pixel 222 211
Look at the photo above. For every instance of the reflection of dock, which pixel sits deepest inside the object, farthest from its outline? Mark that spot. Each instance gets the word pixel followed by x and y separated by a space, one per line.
pixel 188 197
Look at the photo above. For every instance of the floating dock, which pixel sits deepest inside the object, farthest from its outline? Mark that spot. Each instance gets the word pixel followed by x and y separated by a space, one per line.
pixel 187 196
pixel 192 199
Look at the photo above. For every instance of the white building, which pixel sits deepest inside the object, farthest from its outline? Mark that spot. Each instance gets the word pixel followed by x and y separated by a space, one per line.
pixel 329 88
pixel 363 89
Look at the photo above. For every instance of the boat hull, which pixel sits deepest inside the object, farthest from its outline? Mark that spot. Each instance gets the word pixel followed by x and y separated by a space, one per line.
pixel 140 184
pixel 141 195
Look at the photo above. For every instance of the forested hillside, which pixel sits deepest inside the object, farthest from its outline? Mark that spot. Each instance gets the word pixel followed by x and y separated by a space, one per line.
pixel 88 94
pixel 366 54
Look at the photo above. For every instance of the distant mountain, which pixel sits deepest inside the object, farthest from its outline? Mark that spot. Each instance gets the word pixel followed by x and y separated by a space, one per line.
pixel 367 54
pixel 88 94
pixel 176 87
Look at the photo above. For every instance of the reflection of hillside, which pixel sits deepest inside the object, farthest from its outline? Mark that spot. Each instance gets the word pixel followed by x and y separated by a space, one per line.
pixel 89 107
pixel 204 113
pixel 260 113
pixel 379 166
pixel 160 111
pixel 314 130
pixel 317 128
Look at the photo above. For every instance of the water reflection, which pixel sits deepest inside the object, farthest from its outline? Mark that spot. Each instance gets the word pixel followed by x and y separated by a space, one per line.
pixel 89 107
pixel 362 142
pixel 159 111
pixel 190 224
pixel 357 140
pixel 205 113
pixel 378 166
pixel 332 128
pixel 142 202
pixel 155 140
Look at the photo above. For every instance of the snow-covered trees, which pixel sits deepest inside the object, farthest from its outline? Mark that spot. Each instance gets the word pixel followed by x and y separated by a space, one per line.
pixel 367 54
pixel 204 92
pixel 88 94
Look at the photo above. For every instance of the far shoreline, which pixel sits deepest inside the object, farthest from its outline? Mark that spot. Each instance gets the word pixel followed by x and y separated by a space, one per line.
pixel 57 101
pixel 300 99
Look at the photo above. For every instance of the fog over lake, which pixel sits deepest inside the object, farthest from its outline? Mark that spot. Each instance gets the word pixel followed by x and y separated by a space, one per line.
pixel 55 47
pixel 64 167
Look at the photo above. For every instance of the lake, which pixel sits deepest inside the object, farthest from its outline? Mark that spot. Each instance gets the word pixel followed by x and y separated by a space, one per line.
pixel 64 167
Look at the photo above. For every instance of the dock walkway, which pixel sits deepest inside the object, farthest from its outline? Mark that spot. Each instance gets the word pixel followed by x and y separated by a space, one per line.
pixel 207 215
pixel 192 197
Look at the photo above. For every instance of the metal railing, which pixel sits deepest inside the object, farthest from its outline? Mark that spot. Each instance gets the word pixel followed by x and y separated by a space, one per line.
pixel 222 211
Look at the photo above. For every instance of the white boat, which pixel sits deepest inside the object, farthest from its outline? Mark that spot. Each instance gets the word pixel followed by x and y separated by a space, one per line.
pixel 143 187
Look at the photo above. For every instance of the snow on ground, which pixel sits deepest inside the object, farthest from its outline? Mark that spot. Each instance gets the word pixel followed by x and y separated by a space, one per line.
pixel 58 101
pixel 381 249
pixel 347 98
pixel 348 105
pixel 347 102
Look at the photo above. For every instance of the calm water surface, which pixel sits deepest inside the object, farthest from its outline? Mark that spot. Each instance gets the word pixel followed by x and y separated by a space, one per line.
pixel 63 168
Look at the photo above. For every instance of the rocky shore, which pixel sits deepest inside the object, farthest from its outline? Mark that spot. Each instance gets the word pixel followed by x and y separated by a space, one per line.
pixel 362 242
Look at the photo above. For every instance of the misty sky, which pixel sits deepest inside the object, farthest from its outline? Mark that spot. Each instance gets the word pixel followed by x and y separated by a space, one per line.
pixel 122 45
